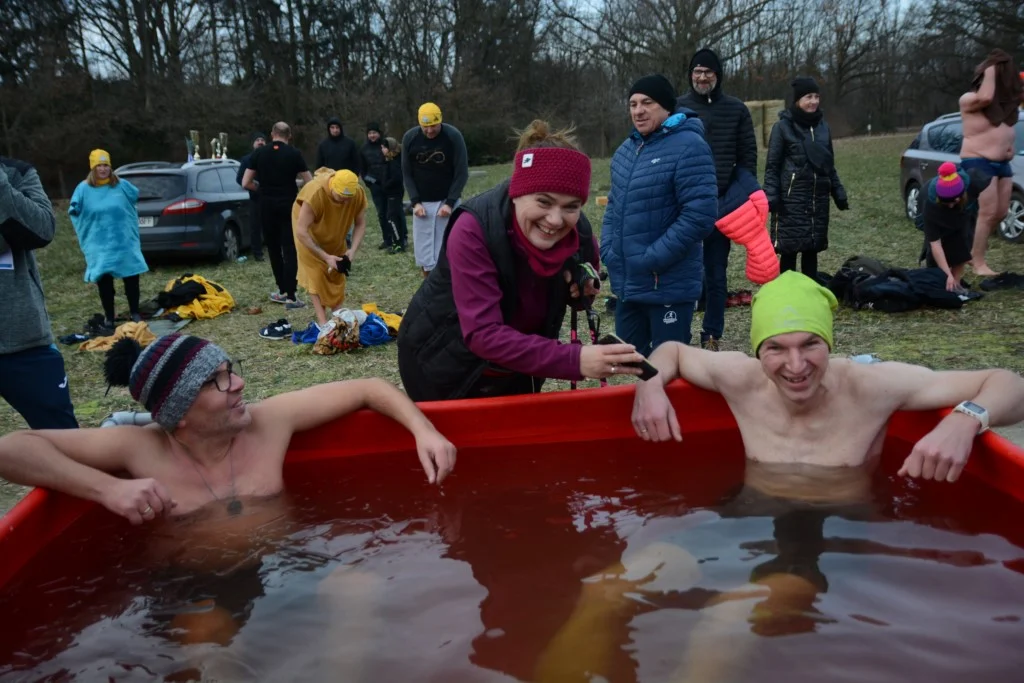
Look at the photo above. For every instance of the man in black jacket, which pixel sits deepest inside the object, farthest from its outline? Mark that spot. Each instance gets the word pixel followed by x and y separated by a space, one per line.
pixel 337 151
pixel 372 161
pixel 729 131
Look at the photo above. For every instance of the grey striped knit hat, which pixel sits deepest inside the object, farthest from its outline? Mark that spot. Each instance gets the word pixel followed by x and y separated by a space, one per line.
pixel 169 373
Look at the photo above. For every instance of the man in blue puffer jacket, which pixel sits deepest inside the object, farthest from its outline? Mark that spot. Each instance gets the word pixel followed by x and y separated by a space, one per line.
pixel 663 203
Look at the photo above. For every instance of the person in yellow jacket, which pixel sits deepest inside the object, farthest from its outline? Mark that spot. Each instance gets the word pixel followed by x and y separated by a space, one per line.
pixel 322 215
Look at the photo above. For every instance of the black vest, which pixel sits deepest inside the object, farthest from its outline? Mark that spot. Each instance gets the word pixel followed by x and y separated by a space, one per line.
pixel 433 360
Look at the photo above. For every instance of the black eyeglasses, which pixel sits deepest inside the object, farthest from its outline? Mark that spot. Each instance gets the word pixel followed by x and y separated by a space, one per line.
pixel 703 73
pixel 222 378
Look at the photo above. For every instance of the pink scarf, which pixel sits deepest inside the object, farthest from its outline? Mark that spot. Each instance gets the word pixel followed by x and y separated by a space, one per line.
pixel 545 262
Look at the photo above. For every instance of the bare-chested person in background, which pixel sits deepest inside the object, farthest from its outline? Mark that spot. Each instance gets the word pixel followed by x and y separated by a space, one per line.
pixel 990 111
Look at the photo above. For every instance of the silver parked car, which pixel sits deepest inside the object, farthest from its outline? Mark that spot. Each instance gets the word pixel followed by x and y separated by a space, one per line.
pixel 938 142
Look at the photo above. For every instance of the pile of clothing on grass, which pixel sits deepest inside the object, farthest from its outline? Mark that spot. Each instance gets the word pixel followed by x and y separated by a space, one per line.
pixel 866 283
pixel 189 297
pixel 346 330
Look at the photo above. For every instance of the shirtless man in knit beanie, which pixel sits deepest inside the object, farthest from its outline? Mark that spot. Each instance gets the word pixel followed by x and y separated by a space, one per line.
pixel 207 445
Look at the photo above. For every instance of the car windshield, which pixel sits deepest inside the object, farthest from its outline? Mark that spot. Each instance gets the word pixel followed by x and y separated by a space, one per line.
pixel 154 186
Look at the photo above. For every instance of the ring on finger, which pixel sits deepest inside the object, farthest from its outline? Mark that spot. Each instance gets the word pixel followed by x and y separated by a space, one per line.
pixel 149 508
pixel 613 368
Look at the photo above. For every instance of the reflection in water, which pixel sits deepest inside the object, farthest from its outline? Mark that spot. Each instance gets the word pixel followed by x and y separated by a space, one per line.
pixel 580 565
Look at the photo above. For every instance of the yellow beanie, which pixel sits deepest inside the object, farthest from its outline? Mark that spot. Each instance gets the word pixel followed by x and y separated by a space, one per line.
pixel 97 157
pixel 792 302
pixel 345 183
pixel 429 114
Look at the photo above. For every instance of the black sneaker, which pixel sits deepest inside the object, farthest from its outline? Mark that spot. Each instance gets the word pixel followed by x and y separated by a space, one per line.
pixel 277 331
pixel 258 257
pixel 384 246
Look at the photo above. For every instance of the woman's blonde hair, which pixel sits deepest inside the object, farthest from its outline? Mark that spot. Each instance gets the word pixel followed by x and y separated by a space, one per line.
pixel 539 135
pixel 93 181
pixel 394 148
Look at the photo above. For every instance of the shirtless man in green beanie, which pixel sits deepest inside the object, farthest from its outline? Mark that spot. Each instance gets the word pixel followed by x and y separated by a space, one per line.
pixel 795 405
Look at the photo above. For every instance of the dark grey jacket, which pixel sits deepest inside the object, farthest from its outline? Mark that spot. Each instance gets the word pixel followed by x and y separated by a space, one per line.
pixel 26 223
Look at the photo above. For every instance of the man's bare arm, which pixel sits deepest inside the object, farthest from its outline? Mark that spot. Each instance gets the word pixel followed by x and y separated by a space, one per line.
pixel 78 462
pixel 300 410
pixel 705 369
pixel 306 177
pixel 976 101
pixel 654 418
pixel 1001 392
pixel 943 452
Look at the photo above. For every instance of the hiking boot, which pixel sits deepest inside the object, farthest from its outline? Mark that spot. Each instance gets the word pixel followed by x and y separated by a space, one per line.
pixel 277 331
pixel 709 343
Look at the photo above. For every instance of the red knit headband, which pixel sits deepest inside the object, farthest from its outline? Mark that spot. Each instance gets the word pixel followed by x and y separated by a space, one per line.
pixel 551 169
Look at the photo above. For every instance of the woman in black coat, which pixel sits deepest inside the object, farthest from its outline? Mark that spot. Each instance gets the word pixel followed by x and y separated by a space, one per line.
pixel 799 179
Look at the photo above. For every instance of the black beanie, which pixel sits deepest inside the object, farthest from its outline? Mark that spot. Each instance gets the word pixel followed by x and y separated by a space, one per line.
pixel 706 59
pixel 658 88
pixel 804 85
pixel 256 136
pixel 373 125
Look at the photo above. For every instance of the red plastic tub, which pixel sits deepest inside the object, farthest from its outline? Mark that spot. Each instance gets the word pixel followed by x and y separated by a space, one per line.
pixel 41 517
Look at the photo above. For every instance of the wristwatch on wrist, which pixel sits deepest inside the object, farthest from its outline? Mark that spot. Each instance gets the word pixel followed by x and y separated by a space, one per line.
pixel 975 411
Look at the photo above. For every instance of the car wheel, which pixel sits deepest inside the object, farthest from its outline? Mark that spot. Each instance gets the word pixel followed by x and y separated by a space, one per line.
pixel 229 243
pixel 1012 227
pixel 912 205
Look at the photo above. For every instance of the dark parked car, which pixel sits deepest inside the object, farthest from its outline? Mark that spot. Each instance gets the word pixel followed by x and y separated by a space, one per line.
pixel 195 207
pixel 939 141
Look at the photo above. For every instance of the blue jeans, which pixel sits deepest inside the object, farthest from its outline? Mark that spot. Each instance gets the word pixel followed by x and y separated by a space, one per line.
pixel 35 384
pixel 646 326
pixel 716 263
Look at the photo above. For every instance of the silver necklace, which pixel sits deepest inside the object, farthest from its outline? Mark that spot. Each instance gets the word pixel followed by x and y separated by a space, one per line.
pixel 234 505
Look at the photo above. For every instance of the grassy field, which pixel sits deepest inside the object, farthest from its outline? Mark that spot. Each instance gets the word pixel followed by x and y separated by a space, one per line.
pixel 983 334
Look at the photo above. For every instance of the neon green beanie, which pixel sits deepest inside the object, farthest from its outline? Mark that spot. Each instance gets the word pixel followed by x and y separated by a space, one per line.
pixel 792 302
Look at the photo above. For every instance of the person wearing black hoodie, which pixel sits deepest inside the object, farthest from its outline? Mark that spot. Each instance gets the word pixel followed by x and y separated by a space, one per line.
pixel 337 151
pixel 729 131
pixel 372 160
pixel 255 222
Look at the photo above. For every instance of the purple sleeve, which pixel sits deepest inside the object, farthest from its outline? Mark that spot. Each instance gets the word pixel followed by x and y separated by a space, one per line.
pixel 478 300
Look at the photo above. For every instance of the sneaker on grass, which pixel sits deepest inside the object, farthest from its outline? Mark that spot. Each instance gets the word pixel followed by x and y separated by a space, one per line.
pixel 277 331
pixel 294 303
pixel 278 298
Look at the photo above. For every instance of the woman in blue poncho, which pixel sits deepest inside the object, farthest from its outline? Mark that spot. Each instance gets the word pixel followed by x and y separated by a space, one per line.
pixel 107 224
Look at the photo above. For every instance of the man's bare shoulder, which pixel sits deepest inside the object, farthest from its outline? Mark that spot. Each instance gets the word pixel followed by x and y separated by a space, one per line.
pixel 734 370
pixel 884 380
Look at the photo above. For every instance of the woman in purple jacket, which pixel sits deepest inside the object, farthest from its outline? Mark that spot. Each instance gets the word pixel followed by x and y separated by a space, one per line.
pixel 486 321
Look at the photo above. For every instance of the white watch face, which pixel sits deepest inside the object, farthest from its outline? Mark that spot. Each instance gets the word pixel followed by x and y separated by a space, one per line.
pixel 973 408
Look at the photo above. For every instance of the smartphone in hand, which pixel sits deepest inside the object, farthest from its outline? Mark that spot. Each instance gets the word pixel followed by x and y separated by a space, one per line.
pixel 649 370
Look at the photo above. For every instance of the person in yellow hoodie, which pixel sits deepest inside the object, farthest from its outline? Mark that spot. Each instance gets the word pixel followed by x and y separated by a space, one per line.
pixel 323 213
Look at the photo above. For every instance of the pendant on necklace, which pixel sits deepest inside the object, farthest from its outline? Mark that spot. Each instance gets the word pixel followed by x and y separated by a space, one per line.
pixel 234 507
